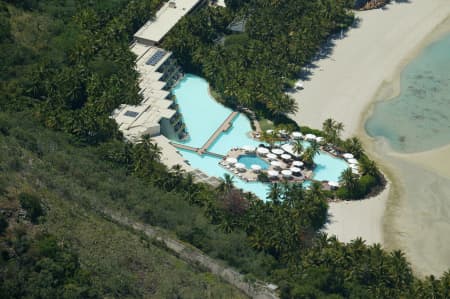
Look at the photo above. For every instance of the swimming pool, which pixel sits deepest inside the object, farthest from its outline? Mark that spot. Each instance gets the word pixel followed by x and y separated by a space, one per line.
pixel 203 115
pixel 249 160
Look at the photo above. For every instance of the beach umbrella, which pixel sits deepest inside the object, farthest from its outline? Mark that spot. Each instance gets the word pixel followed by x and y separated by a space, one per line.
pixel 262 150
pixel 333 184
pixel 320 139
pixel 288 148
pixel 273 173
pixel 276 164
pixel 231 160
pixel 299 85
pixel 277 151
pixel 269 131
pixel 354 166
pixel 248 148
pixel 286 173
pixel 295 169
pixel 271 156
pixel 255 167
pixel 286 157
pixel 298 163
pixel 240 165
pixel 297 135
pixel 352 161
pixel 348 156
pixel 355 171
pixel 310 137
pixel 283 132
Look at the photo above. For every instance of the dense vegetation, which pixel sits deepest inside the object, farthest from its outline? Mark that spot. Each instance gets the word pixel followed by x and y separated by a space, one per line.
pixel 253 68
pixel 66 65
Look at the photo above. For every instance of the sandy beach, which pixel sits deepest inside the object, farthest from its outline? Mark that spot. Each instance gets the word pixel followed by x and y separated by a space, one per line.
pixel 363 67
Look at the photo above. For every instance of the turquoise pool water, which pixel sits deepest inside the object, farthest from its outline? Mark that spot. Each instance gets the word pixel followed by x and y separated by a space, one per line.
pixel 328 168
pixel 203 115
pixel 249 160
pixel 419 118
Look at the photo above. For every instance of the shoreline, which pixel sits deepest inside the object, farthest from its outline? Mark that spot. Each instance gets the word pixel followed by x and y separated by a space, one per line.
pixel 423 22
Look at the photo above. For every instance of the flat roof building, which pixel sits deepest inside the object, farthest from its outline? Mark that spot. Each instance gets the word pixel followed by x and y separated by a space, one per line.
pixel 165 19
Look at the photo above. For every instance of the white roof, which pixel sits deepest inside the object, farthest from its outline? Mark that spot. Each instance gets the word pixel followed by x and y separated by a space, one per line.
pixel 165 19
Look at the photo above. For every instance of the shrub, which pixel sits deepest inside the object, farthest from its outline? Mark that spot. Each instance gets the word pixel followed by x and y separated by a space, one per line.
pixel 32 205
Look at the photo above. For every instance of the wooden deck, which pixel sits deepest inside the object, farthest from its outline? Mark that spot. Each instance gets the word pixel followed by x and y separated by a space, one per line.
pixel 223 128
pixel 204 149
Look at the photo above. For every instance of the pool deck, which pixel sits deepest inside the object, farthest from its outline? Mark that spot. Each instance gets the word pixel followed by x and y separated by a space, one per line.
pixel 252 176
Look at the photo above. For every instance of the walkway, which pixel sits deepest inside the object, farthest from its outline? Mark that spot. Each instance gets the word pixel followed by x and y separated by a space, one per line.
pixel 223 127
pixel 256 289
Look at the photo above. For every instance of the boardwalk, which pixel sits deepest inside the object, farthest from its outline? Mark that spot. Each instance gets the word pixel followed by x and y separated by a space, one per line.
pixel 223 127
pixel 204 149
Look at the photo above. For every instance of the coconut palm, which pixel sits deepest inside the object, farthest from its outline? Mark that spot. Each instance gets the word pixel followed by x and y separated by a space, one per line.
pixel 353 145
pixel 369 167
pixel 298 147
pixel 350 181
pixel 227 184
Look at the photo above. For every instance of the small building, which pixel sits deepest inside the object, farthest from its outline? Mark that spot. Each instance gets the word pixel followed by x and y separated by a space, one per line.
pixel 165 19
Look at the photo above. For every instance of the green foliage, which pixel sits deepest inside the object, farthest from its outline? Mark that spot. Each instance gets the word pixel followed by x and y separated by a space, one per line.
pixel 253 68
pixel 3 224
pixel 32 205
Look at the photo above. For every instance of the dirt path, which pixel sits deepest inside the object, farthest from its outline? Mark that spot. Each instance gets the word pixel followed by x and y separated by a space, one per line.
pixel 192 255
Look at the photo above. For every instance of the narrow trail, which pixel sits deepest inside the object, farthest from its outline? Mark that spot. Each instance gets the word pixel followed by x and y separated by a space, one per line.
pixel 193 256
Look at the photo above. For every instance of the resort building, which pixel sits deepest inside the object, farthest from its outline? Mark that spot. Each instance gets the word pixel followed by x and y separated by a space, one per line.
pixel 157 113
pixel 165 19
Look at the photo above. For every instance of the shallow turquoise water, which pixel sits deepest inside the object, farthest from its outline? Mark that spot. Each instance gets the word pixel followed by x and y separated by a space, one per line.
pixel 419 118
pixel 328 168
pixel 203 115
pixel 249 160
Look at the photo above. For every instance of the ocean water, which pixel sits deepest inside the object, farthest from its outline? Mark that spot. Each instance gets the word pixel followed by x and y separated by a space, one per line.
pixel 419 118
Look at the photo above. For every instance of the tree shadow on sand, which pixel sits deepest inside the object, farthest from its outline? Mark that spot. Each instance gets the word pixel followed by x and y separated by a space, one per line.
pixel 325 51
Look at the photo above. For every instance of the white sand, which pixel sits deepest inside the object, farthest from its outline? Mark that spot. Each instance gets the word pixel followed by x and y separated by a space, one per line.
pixel 343 85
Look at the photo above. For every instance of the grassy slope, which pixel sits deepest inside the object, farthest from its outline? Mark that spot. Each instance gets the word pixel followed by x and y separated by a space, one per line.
pixel 124 264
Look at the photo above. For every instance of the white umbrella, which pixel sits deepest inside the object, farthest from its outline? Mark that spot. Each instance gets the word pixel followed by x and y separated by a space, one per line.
pixel 283 132
pixel 288 148
pixel 231 160
pixel 255 167
pixel 240 165
pixel 319 139
pixel 286 173
pixel 262 150
pixel 352 161
pixel 333 184
pixel 275 163
pixel 295 169
pixel 248 148
pixel 310 137
pixel 273 173
pixel 299 85
pixel 277 151
pixel 298 163
pixel 348 156
pixel 271 156
pixel 297 135
pixel 355 171
pixel 269 131
pixel 354 166
pixel 286 157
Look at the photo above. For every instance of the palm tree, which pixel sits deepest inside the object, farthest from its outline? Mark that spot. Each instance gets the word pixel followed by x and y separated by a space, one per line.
pixel 310 153
pixel 275 192
pixel 349 180
pixel 369 167
pixel 298 147
pixel 227 184
pixel 353 145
